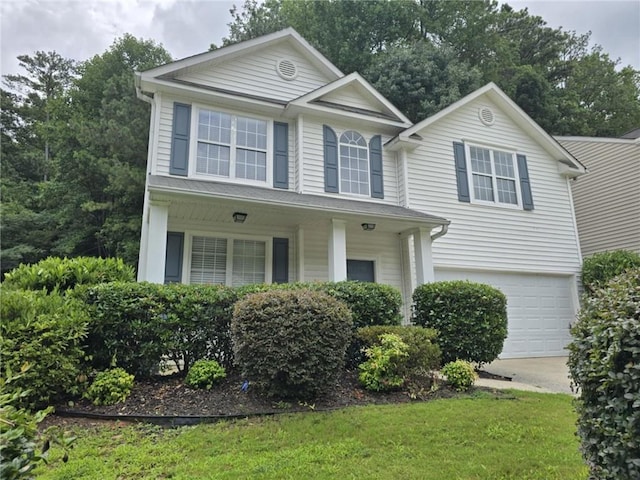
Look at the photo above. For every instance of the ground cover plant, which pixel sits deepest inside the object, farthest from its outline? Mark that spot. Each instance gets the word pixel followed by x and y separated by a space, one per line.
pixel 517 435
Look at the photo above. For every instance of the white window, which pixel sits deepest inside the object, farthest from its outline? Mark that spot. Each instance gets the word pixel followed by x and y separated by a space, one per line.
pixel 231 146
pixel 228 261
pixel 493 176
pixel 354 164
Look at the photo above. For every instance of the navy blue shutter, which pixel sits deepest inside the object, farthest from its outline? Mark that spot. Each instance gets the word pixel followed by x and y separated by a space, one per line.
pixel 461 172
pixel 173 261
pixel 375 165
pixel 280 267
pixel 331 165
pixel 525 184
pixel 179 164
pixel 281 155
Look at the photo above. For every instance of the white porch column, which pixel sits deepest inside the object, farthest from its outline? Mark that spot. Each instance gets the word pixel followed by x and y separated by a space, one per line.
pixel 157 241
pixel 337 250
pixel 300 259
pixel 424 257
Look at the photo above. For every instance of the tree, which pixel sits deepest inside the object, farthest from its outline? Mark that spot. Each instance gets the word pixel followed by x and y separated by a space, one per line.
pixel 422 79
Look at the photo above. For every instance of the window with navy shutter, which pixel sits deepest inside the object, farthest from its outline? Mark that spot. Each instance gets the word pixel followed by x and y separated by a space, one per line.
pixel 179 161
pixel 330 160
pixel 280 155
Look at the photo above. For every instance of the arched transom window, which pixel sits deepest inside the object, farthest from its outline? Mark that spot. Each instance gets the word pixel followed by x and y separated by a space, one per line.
pixel 354 163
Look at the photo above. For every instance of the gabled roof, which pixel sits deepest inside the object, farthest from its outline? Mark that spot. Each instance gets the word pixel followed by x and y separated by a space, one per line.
pixel 515 113
pixel 207 59
pixel 384 108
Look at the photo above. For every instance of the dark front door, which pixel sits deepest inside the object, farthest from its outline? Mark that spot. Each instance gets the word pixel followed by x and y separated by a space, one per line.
pixel 362 270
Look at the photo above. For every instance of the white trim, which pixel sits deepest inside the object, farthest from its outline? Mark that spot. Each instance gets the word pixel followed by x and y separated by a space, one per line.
pixel 242 48
pixel 352 79
pixel 404 160
pixel 300 251
pixel 230 237
pixel 573 219
pixel 193 147
pixel 494 176
pixel 300 158
pixel 622 141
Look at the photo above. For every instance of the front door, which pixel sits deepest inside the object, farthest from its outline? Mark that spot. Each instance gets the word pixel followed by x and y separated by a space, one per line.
pixel 363 270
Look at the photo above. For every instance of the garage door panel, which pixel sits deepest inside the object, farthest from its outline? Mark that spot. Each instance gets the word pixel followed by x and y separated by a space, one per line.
pixel 539 307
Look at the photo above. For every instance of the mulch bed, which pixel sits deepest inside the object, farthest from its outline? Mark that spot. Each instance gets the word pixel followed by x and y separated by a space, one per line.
pixel 168 396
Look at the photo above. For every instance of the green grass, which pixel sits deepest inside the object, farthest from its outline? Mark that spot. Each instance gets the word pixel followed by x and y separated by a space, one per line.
pixel 527 436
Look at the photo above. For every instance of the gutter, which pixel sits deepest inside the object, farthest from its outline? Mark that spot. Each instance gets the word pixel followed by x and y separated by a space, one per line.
pixel 441 233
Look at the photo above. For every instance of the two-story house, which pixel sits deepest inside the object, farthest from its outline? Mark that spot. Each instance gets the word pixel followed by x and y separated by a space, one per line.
pixel 267 164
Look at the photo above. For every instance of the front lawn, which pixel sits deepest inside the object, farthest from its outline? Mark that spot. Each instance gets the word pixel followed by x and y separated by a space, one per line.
pixel 480 436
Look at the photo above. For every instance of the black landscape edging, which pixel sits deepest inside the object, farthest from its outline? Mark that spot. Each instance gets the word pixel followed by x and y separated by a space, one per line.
pixel 176 420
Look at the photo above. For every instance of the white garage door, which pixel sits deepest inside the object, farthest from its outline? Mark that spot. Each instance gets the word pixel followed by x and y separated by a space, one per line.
pixel 540 309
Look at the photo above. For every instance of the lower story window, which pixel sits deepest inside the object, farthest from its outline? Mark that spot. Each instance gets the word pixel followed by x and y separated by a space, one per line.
pixel 227 261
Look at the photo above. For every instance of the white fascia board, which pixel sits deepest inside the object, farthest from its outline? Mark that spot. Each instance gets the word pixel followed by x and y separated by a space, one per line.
pixel 357 80
pixel 613 140
pixel 514 112
pixel 226 53
pixel 389 126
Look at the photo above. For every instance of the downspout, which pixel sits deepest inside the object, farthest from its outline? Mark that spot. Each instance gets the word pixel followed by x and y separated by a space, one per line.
pixel 441 233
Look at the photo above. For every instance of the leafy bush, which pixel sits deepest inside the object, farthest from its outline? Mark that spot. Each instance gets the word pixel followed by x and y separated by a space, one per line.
pixel 604 365
pixel 471 318
pixel 600 268
pixel 290 343
pixel 460 374
pixel 423 352
pixel 62 274
pixel 137 326
pixel 45 332
pixel 205 374
pixel 110 387
pixel 384 368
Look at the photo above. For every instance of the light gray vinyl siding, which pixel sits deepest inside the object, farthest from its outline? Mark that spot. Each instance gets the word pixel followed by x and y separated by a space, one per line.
pixel 607 198
pixel 493 237
pixel 314 160
pixel 255 74
pixel 351 97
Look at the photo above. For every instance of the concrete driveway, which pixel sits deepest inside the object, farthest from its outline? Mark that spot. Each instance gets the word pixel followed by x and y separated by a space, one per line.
pixel 546 374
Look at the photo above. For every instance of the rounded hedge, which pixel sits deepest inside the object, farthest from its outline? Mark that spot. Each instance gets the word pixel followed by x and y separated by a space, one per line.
pixel 604 362
pixel 290 343
pixel 61 274
pixel 471 318
pixel 600 268
pixel 45 333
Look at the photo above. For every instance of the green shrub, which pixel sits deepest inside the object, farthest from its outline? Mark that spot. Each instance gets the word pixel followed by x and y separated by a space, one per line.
pixel 604 362
pixel 137 326
pixel 460 374
pixel 471 318
pixel 600 268
pixel 45 332
pixel 423 352
pixel 290 343
pixel 385 365
pixel 62 274
pixel 205 374
pixel 110 387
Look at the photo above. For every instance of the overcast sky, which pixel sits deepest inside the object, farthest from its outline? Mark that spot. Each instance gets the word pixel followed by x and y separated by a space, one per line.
pixel 80 29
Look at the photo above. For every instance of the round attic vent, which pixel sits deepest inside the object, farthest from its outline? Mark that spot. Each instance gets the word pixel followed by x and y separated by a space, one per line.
pixel 486 116
pixel 287 69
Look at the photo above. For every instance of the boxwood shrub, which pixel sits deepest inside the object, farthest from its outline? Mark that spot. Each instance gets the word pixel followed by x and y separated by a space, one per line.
pixel 604 363
pixel 62 274
pixel 45 332
pixel 600 268
pixel 471 318
pixel 290 343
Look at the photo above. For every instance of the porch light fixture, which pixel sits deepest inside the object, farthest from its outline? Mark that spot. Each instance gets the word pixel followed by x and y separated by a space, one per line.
pixel 239 217
pixel 367 227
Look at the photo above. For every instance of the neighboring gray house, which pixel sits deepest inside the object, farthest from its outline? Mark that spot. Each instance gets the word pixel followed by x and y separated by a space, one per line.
pixel 267 164
pixel 607 200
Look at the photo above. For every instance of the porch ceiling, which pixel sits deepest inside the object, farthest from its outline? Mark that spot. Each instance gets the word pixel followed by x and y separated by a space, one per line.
pixel 214 202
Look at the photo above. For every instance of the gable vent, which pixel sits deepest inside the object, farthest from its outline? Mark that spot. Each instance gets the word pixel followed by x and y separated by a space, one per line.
pixel 486 116
pixel 287 69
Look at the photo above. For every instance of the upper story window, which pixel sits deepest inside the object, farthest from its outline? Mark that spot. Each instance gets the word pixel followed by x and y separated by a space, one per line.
pixel 354 164
pixel 231 146
pixel 492 176
pixel 351 165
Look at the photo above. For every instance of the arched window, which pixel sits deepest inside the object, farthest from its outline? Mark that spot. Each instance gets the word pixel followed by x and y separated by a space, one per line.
pixel 354 163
